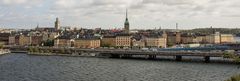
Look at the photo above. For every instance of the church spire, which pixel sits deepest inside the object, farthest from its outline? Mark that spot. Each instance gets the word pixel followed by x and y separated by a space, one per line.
pixel 57 24
pixel 126 13
pixel 126 24
pixel 126 16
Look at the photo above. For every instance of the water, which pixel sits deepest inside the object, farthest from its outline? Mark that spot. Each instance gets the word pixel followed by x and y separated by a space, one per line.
pixel 22 67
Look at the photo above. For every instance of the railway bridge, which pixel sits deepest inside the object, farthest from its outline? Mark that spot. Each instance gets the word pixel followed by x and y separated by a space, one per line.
pixel 121 53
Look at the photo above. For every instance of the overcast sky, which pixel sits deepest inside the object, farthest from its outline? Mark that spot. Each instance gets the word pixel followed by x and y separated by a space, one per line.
pixel 144 14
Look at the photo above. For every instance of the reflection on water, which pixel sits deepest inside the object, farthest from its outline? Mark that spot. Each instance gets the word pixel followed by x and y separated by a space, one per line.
pixel 21 67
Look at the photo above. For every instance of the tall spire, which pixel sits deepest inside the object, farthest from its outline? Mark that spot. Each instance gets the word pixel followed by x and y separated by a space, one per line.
pixel 126 24
pixel 57 24
pixel 126 21
pixel 126 15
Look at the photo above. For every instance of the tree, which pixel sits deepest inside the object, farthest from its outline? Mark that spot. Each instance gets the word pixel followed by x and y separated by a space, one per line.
pixel 35 50
pixel 48 42
pixel 30 50
pixel 46 51
pixel 234 78
pixel 62 51
pixel 232 56
pixel 1 46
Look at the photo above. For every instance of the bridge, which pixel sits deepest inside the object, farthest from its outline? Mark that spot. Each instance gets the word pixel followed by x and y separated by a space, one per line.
pixel 121 53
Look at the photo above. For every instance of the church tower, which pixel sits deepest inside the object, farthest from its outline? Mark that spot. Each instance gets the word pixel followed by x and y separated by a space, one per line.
pixel 126 24
pixel 57 24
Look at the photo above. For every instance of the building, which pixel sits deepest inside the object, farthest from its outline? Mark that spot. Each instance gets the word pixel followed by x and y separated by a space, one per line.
pixel 57 24
pixel 126 24
pixel 23 40
pixel 4 38
pixel 218 38
pixel 173 38
pixel 156 41
pixel 178 37
pixel 214 38
pixel 201 39
pixel 108 41
pixel 123 40
pixel 36 40
pixel 227 38
pixel 138 43
pixel 12 40
pixel 87 43
pixel 187 38
pixel 63 41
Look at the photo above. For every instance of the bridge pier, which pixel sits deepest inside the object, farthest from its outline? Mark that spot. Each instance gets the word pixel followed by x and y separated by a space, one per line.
pixel 146 56
pixel 115 56
pixel 126 56
pixel 207 59
pixel 120 56
pixel 178 58
pixel 152 57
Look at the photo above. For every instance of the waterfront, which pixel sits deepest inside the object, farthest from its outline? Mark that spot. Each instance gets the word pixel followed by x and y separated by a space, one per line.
pixel 22 67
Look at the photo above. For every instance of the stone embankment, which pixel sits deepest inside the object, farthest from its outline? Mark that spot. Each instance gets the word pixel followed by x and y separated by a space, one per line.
pixel 4 51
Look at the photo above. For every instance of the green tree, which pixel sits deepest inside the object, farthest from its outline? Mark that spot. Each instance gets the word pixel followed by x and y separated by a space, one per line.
pixel 30 50
pixel 232 56
pixel 46 51
pixel 234 78
pixel 62 51
pixel 1 46
pixel 35 50
pixel 48 42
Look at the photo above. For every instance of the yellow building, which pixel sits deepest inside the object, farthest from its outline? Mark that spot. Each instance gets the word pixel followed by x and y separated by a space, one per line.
pixel 108 41
pixel 138 43
pixel 24 40
pixel 159 42
pixel 123 40
pixel 200 39
pixel 218 38
pixel 63 42
pixel 173 38
pixel 87 43
pixel 214 38
pixel 227 38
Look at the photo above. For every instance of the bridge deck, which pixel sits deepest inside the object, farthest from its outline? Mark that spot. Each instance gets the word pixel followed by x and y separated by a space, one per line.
pixel 136 52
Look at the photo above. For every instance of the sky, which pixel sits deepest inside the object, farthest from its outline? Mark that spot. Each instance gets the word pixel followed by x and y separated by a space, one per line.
pixel 108 14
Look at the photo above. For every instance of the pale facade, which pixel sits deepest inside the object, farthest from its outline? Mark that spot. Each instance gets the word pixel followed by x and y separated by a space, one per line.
pixel 218 38
pixel 123 41
pixel 159 42
pixel 214 38
pixel 227 38
pixel 108 41
pixel 11 40
pixel 87 43
pixel 62 43
pixel 139 44
pixel 199 39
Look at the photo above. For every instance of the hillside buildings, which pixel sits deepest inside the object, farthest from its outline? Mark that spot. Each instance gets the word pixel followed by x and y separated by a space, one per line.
pixel 116 38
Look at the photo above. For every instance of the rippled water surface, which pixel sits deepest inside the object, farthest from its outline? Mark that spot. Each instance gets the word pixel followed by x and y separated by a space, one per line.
pixel 22 67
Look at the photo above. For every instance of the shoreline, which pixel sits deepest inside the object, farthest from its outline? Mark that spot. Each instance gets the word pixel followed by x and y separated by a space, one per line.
pixel 4 51
pixel 54 54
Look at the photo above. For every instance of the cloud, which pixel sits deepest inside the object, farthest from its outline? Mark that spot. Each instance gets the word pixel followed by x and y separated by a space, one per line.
pixel 112 12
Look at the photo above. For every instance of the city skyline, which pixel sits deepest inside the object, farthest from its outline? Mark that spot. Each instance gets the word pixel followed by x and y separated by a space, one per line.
pixel 142 14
